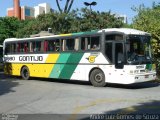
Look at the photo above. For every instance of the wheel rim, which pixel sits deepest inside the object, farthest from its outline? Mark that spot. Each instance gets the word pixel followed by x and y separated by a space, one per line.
pixel 98 77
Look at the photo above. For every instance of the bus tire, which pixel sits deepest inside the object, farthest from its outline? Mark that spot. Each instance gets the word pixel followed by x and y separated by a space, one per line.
pixel 97 78
pixel 25 73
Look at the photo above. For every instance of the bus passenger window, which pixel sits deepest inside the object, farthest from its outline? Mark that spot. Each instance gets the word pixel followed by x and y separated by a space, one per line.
pixel 37 46
pixel 45 46
pixel 51 45
pixel 20 47
pixel 30 46
pixel 7 48
pixel 85 43
pixel 57 45
pixel 90 43
pixel 76 46
pixel 95 44
pixel 70 44
pixel 26 47
pixel 13 48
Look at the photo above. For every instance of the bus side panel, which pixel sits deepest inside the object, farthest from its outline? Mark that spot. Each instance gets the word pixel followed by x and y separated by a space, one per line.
pixel 88 62
pixel 66 65
pixel 36 70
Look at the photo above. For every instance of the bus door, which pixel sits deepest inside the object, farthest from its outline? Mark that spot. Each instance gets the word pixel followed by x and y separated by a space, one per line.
pixel 114 51
pixel 118 50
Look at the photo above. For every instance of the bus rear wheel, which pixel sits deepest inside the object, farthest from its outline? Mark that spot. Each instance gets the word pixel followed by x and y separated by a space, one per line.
pixel 97 78
pixel 25 73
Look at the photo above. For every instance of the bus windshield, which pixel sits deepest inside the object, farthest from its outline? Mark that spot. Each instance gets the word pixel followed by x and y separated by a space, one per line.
pixel 138 49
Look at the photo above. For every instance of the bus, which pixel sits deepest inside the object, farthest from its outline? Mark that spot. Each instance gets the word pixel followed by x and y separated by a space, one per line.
pixel 115 55
pixel 1 57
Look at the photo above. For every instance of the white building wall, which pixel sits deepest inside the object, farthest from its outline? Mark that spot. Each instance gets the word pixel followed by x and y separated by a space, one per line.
pixel 38 10
pixel 46 6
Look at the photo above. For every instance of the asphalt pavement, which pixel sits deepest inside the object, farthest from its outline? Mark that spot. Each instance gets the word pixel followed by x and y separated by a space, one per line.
pixel 64 99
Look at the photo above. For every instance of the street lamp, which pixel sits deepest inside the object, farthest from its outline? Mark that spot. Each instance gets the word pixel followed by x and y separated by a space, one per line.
pixel 90 4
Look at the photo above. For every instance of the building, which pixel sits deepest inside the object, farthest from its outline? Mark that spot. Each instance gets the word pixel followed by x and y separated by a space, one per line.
pixel 26 12
pixel 42 8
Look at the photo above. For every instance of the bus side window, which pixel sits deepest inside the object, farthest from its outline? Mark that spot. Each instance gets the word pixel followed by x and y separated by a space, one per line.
pixel 85 43
pixel 18 47
pixel 64 45
pixel 90 43
pixel 42 46
pixel 70 44
pixel 45 46
pixel 95 43
pixel 57 45
pixel 13 48
pixel 51 45
pixel 30 46
pixel 7 49
pixel 37 46
pixel 26 47
pixel 22 47
pixel 76 46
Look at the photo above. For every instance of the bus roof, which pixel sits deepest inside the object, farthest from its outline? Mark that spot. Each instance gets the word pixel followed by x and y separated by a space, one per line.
pixel 109 30
pixel 126 31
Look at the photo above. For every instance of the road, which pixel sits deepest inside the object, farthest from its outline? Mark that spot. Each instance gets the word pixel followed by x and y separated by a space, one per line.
pixel 44 96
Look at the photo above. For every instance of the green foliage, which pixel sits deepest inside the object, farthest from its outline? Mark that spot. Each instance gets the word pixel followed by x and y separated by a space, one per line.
pixel 74 21
pixel 148 20
pixel 8 27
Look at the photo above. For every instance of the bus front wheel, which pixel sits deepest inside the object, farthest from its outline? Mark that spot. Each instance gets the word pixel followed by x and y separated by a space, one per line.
pixel 97 78
pixel 25 73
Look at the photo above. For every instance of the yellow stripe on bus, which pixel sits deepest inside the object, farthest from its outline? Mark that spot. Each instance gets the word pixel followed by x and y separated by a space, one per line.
pixel 36 70
pixel 65 34
pixel 52 58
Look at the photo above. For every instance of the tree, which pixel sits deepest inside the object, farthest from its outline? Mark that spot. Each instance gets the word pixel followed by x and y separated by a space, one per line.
pixel 67 7
pixel 75 21
pixel 8 27
pixel 148 20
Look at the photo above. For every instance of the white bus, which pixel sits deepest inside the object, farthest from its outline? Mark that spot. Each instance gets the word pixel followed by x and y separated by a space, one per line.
pixel 116 55
pixel 1 57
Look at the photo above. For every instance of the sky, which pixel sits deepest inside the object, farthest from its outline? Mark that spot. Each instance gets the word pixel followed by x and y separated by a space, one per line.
pixel 115 6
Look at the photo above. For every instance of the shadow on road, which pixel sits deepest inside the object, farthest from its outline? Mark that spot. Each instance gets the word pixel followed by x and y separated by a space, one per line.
pixel 141 112
pixel 65 81
pixel 109 85
pixel 6 84
pixel 142 85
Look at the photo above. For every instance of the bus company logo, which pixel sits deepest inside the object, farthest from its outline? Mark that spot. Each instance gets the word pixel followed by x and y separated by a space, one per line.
pixel 91 58
pixel 30 58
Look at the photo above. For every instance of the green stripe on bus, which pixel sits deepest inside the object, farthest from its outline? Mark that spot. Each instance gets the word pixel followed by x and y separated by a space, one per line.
pixel 60 63
pixel 87 32
pixel 71 65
